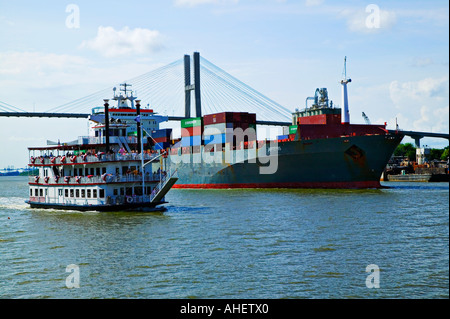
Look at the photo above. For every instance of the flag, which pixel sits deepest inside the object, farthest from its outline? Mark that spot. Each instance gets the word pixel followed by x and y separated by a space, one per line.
pixel 138 119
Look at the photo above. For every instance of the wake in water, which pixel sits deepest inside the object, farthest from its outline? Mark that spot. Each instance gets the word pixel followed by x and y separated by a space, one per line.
pixel 13 203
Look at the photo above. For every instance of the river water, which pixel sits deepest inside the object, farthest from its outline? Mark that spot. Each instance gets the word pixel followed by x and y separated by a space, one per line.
pixel 246 244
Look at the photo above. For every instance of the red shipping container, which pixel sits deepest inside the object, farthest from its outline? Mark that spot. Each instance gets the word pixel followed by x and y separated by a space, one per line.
pixel 224 117
pixel 244 117
pixel 161 139
pixel 191 131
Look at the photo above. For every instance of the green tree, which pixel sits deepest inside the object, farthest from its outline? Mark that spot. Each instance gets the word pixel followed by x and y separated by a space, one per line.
pixel 444 155
pixel 407 150
pixel 435 153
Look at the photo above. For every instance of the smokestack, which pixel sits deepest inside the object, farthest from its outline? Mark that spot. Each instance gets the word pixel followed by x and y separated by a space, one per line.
pixel 107 124
pixel 346 113
pixel 138 125
pixel 344 82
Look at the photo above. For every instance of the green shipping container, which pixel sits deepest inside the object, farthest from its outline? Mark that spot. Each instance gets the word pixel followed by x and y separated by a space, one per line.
pixel 196 121
pixel 293 129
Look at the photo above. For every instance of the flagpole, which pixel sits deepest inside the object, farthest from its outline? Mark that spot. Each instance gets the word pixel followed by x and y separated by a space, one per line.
pixel 142 164
pixel 138 120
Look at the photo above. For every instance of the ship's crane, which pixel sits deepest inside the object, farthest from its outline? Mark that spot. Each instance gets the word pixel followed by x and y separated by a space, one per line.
pixel 366 118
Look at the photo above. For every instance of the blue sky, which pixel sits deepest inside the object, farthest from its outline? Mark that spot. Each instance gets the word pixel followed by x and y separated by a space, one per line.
pixel 282 48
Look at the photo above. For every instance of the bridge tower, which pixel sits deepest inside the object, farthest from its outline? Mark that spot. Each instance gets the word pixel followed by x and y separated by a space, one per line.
pixel 188 87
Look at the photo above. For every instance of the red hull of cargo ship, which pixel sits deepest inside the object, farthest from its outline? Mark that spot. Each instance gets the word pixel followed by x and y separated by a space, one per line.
pixel 343 185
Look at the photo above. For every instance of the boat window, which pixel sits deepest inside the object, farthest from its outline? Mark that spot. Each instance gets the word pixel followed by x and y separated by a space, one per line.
pixel 115 192
pixel 75 172
pixel 60 192
pixel 31 192
pixel 129 191
pixel 41 193
pixel 36 192
pixel 77 193
pixel 94 193
pixel 97 171
pixel 66 193
pixel 83 193
pixel 103 170
pixel 122 191
pixel 102 193
pixel 71 193
pixel 88 193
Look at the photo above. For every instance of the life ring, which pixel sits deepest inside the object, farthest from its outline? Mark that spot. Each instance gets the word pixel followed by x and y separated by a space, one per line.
pixel 32 160
pixel 36 179
pixel 63 159
pixel 53 159
pixel 42 160
pixel 129 200
pixel 67 179
pixel 78 179
pixel 46 179
pixel 73 158
pixel 104 177
pixel 56 179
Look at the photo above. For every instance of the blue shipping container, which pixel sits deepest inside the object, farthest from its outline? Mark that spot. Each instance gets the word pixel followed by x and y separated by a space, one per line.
pixel 191 140
pixel 166 132
pixel 161 146
pixel 283 137
pixel 218 139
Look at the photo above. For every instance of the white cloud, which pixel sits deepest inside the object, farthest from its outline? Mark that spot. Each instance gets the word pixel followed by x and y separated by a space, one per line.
pixel 12 63
pixel 193 3
pixel 312 3
pixel 423 104
pixel 113 43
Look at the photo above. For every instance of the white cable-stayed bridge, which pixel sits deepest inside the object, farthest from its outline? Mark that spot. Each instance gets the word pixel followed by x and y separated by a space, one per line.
pixel 167 90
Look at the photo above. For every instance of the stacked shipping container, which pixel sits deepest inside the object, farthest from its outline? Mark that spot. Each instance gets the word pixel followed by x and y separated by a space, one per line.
pixel 191 135
pixel 219 128
pixel 161 138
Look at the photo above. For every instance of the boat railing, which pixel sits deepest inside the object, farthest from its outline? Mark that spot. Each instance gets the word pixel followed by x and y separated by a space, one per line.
pixel 83 159
pixel 91 179
pixel 162 183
